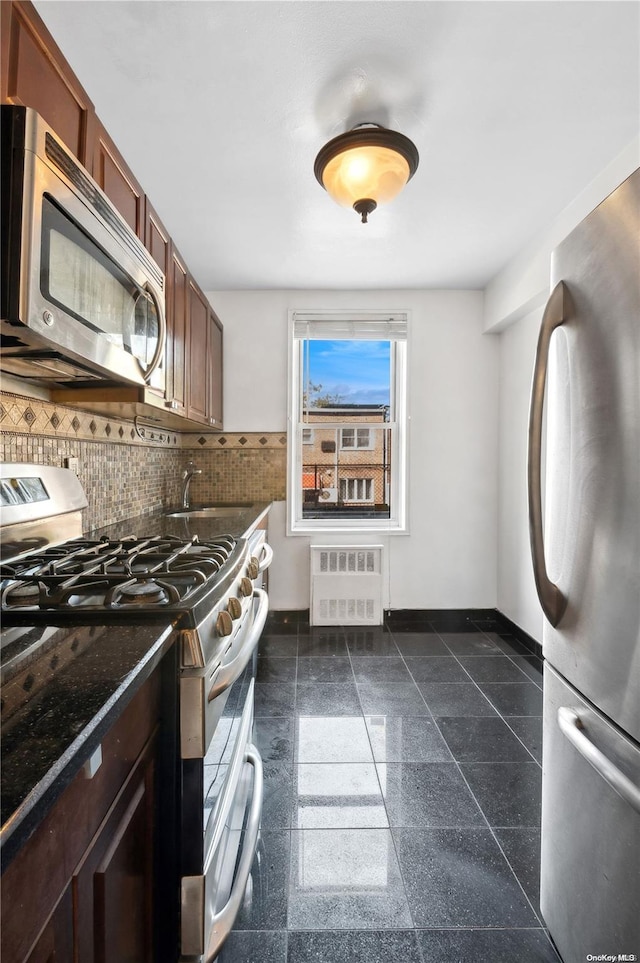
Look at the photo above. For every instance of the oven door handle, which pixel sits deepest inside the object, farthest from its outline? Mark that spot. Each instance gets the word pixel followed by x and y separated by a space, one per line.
pixel 227 674
pixel 267 558
pixel 223 921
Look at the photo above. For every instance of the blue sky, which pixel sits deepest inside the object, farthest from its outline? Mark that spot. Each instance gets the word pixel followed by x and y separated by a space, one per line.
pixel 358 371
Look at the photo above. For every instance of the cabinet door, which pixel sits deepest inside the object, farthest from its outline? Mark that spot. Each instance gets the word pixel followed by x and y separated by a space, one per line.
pixel 114 177
pixel 215 372
pixel 55 943
pixel 35 74
pixel 197 367
pixel 158 244
pixel 177 333
pixel 113 886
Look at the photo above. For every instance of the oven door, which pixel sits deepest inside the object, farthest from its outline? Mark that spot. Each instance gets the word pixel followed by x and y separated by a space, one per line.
pixel 222 801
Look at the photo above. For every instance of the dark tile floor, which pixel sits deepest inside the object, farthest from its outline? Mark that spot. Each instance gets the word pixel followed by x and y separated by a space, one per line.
pixel 402 798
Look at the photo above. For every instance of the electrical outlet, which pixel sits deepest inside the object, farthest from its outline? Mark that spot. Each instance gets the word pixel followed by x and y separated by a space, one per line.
pixel 72 463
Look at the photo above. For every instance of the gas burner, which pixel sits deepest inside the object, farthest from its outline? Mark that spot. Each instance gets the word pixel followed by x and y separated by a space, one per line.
pixel 143 593
pixel 24 593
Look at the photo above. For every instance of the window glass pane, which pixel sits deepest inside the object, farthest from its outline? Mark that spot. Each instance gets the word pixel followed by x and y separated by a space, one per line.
pixel 343 481
pixel 346 373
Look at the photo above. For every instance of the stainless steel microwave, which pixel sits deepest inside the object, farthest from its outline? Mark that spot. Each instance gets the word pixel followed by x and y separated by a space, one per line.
pixel 82 299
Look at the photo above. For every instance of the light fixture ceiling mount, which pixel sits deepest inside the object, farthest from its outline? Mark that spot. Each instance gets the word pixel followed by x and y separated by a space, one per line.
pixel 366 166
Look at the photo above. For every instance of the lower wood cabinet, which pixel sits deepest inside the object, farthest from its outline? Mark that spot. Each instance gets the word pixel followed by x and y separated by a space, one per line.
pixel 85 886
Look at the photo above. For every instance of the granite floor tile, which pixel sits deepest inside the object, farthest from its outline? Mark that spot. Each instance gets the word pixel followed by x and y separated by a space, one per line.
pixel 280 646
pixel 406 739
pixel 427 794
pixel 391 699
pixel 346 879
pixel 332 739
pixel 492 669
pixel 513 698
pixel 437 668
pixel 337 796
pixel 376 669
pixel 529 730
pixel 322 646
pixel 508 644
pixel 276 669
pixel 274 737
pixel 455 699
pixel 482 740
pixel 265 903
pixel 487 946
pixel 249 947
pixel 380 946
pixel 509 793
pixel 522 849
pixel 277 790
pixel 365 644
pixel 459 878
pixel 337 669
pixel 420 644
pixel 275 699
pixel 531 665
pixel 469 644
pixel 327 699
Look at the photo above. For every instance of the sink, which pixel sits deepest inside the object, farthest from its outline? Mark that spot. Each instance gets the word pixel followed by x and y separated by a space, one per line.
pixel 213 511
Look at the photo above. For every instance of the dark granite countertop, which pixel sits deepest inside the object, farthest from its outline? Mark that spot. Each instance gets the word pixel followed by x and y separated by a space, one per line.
pixel 57 710
pixel 237 520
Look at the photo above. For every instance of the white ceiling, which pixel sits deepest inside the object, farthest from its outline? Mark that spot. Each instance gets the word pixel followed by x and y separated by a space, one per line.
pixel 220 106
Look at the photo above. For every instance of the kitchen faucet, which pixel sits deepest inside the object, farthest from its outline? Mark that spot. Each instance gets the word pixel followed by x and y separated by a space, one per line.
pixel 187 475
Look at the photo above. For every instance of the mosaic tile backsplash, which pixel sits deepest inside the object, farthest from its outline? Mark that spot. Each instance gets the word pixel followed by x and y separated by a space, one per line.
pixel 128 471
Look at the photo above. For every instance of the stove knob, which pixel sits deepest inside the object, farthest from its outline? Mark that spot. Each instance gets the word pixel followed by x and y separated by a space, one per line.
pixel 253 568
pixel 246 587
pixel 234 607
pixel 224 625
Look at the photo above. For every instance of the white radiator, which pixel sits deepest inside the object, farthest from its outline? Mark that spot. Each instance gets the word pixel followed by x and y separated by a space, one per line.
pixel 346 585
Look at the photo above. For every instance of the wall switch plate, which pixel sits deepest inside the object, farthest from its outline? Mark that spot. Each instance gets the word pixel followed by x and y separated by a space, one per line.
pixel 72 463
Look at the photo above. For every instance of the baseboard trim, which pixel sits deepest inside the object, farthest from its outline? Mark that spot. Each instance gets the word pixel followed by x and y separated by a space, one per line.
pixel 443 620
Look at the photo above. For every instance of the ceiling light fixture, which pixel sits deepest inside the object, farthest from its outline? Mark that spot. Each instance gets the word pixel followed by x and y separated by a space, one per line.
pixel 366 166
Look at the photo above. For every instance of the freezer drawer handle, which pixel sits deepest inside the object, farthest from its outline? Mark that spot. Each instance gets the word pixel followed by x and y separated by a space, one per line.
pixel 223 921
pixel 556 313
pixel 572 727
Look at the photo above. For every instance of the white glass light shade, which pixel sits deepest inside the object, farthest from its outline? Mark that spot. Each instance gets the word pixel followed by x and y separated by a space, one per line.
pixel 377 173
pixel 366 166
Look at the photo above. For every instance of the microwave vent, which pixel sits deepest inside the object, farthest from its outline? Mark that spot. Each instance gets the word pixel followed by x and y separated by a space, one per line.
pixel 58 156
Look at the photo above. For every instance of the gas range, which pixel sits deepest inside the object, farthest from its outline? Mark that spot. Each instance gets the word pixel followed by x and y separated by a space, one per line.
pixel 127 580
pixel 66 597
pixel 199 587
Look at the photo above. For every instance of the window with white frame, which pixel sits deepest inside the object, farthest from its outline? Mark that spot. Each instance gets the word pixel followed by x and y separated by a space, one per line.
pixel 356 489
pixel 355 438
pixel 347 422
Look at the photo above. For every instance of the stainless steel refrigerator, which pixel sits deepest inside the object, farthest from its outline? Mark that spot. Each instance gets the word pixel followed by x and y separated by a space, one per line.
pixel 586 558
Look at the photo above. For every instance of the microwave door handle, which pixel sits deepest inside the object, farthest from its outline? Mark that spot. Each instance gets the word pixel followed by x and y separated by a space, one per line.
pixel 224 920
pixel 556 312
pixel 162 335
pixel 572 727
pixel 228 673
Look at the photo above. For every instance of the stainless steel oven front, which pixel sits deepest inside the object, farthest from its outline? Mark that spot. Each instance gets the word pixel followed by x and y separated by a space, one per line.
pixel 221 773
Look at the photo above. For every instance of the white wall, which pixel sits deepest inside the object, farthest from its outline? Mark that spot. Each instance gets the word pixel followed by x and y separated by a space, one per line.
pixel 517 597
pixel 449 558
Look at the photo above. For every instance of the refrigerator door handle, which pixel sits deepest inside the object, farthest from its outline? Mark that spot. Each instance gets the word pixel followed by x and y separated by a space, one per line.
pixel 572 727
pixel 556 313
